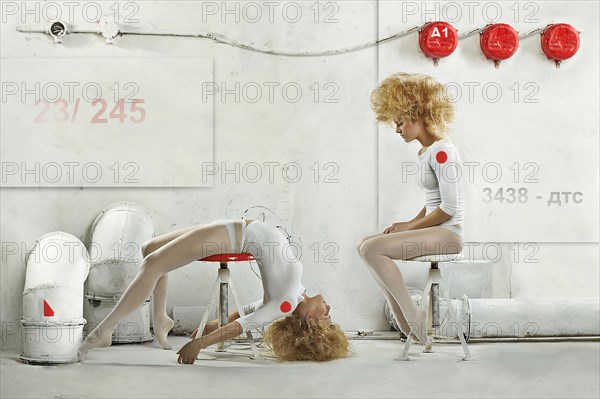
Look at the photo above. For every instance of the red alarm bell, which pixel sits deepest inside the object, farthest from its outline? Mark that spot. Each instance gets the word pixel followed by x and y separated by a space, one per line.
pixel 499 42
pixel 438 40
pixel 560 42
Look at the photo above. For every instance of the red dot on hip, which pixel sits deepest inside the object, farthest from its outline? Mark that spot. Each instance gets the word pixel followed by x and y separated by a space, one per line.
pixel 441 156
pixel 285 307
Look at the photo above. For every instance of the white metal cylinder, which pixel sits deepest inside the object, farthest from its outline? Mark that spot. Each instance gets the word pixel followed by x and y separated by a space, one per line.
pixel 48 343
pixel 135 327
pixel 53 301
pixel 535 317
pixel 53 298
pixel 117 235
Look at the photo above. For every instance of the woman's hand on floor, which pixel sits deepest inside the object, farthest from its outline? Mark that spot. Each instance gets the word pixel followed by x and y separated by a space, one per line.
pixel 189 352
pixel 396 227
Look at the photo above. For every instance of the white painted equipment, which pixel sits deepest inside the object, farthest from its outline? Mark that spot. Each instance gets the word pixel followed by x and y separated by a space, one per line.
pixel 135 327
pixel 117 235
pixel 53 299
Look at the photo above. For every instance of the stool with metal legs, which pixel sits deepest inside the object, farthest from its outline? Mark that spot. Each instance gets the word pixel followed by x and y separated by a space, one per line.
pixel 430 298
pixel 225 282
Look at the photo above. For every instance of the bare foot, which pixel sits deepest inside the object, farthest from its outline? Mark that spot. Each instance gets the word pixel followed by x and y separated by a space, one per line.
pixel 162 326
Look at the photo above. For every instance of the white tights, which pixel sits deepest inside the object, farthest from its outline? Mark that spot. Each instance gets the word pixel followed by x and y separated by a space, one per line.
pixel 163 254
pixel 378 250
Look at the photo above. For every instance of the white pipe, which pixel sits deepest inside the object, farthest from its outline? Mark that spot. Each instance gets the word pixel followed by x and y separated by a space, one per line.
pixel 117 236
pixel 56 269
pixel 110 30
pixel 52 299
pixel 535 317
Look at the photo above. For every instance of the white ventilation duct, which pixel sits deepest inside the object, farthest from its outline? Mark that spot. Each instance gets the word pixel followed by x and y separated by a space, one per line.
pixel 56 269
pixel 117 235
pixel 513 318
pixel 134 327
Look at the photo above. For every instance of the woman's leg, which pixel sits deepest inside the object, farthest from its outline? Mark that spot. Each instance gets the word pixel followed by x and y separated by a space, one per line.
pixel 395 308
pixel 161 321
pixel 378 252
pixel 196 244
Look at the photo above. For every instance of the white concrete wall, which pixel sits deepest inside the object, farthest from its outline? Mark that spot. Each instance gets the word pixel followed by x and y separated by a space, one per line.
pixel 526 115
pixel 335 129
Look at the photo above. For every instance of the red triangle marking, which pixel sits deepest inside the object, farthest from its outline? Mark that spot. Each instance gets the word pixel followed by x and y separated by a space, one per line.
pixel 48 311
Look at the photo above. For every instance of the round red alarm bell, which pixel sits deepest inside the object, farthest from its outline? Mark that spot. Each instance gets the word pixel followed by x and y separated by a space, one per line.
pixel 560 42
pixel 438 40
pixel 499 42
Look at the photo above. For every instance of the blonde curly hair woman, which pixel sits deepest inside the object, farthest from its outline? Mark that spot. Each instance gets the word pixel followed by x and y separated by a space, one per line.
pixel 414 98
pixel 421 110
pixel 300 336
pixel 305 331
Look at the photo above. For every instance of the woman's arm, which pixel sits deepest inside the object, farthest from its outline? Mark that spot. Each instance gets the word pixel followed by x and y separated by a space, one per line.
pixel 214 334
pixel 433 219
pixel 448 176
pixel 420 215
pixel 267 313
pixel 401 226
pixel 189 352
pixel 214 324
pixel 228 331
pixel 260 317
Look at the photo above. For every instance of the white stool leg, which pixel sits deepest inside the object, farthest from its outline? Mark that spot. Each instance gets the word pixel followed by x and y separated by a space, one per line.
pixel 211 299
pixel 426 303
pixel 242 314
pixel 460 334
pixel 425 299
pixel 223 312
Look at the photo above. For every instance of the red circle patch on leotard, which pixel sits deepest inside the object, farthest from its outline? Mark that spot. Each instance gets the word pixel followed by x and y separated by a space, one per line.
pixel 285 307
pixel 441 157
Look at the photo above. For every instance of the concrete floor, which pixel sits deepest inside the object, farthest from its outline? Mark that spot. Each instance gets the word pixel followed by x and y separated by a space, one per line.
pixel 498 370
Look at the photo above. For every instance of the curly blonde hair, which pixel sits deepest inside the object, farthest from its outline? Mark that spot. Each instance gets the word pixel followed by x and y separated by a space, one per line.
pixel 295 338
pixel 413 97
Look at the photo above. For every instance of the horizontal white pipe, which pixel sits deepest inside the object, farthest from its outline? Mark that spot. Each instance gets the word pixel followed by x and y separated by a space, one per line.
pixel 535 317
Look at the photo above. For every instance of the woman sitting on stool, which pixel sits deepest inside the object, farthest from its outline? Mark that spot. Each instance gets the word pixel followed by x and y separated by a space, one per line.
pixel 421 110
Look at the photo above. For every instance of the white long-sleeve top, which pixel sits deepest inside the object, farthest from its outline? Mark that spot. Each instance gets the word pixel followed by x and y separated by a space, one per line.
pixel 440 176
pixel 280 271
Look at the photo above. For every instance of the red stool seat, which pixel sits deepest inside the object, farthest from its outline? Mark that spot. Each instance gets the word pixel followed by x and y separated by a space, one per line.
pixel 241 257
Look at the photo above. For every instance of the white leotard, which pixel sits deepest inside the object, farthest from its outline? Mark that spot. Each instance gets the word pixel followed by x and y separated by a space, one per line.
pixel 280 271
pixel 440 176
